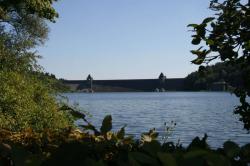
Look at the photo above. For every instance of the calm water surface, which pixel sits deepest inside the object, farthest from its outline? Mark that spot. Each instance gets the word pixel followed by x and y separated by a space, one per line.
pixel 195 113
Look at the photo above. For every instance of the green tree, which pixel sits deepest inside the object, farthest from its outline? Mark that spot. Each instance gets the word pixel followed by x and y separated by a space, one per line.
pixel 42 8
pixel 231 74
pixel 227 37
pixel 22 27
pixel 27 100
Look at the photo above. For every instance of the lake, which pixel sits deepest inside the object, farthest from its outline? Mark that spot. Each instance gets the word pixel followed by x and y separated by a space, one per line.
pixel 195 113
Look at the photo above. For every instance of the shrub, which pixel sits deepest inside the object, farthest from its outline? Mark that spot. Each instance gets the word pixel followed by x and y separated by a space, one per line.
pixel 105 147
pixel 25 102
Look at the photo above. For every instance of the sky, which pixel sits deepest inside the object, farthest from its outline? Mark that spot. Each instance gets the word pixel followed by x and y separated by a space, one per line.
pixel 122 39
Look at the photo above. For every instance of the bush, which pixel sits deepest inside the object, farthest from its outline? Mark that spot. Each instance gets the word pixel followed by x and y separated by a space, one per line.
pixel 25 102
pixel 105 147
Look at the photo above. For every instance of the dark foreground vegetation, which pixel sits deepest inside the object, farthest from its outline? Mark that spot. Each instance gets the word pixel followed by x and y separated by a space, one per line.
pixel 73 147
pixel 36 129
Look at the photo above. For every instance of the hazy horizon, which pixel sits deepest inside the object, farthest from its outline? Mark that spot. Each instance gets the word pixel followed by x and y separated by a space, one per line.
pixel 122 39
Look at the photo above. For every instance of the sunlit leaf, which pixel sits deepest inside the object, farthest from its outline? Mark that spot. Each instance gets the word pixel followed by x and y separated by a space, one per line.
pixel 198 61
pixel 209 42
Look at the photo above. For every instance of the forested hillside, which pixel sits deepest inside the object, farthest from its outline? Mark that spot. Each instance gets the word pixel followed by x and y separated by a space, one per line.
pixel 203 79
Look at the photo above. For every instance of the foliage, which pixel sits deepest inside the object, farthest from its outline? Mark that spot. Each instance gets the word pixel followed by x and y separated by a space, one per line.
pixel 22 27
pixel 19 8
pixel 27 97
pixel 227 37
pixel 13 60
pixel 113 148
pixel 51 81
pixel 26 103
pixel 24 20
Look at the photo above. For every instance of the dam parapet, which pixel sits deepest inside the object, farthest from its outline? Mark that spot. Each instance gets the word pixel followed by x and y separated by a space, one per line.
pixel 162 83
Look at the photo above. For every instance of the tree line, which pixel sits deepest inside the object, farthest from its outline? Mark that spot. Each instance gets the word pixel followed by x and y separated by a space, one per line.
pixel 231 74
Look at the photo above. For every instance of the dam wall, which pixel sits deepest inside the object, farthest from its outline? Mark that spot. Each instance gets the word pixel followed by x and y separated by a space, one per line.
pixel 127 85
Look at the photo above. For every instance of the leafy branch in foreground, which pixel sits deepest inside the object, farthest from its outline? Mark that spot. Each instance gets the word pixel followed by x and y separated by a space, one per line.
pixel 74 147
pixel 227 37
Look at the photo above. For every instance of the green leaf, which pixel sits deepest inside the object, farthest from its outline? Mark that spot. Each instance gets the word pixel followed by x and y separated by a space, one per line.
pixel 248 45
pixel 209 42
pixel 231 149
pixel 106 124
pixel 198 143
pixel 198 61
pixel 166 159
pixel 207 20
pixel 201 56
pixel 197 52
pixel 121 133
pixel 196 41
pixel 201 31
pixel 193 25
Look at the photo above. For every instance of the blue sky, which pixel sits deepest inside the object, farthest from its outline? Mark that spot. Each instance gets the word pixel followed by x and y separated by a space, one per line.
pixel 121 39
